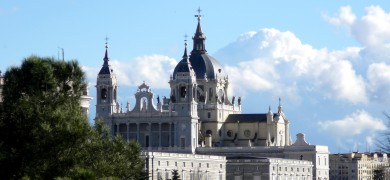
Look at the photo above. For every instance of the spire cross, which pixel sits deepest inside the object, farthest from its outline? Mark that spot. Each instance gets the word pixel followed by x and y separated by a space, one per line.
pixel 198 15
pixel 185 39
pixel 106 41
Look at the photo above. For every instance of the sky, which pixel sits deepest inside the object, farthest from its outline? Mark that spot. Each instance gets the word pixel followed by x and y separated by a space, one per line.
pixel 328 61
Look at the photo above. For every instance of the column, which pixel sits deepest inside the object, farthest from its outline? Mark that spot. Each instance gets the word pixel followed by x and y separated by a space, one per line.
pixel 127 131
pixel 159 136
pixel 175 134
pixel 117 129
pixel 287 135
pixel 150 136
pixel 170 138
pixel 138 132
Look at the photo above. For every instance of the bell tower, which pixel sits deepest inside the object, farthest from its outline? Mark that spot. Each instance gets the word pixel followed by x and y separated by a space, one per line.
pixel 183 87
pixel 106 90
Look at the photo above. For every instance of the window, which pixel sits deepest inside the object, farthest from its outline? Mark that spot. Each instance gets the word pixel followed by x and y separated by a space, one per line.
pixel 183 91
pixel 175 163
pixel 158 163
pixel 182 142
pixel 104 93
pixel 209 132
pixel 208 115
pixel 229 133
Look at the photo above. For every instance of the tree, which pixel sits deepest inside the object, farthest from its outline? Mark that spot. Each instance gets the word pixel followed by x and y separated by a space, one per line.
pixel 379 174
pixel 384 142
pixel 44 133
pixel 175 174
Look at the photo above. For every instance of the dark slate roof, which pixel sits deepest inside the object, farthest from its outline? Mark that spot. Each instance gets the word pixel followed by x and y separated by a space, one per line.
pixel 204 63
pixel 106 68
pixel 244 157
pixel 182 66
pixel 232 118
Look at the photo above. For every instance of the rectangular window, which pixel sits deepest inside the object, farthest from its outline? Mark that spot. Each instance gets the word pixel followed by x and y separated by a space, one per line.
pixel 208 115
pixel 182 143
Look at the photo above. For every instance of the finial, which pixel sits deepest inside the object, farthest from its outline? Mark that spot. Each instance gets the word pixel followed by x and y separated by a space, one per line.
pixel 280 106
pixel 185 46
pixel 269 108
pixel 106 42
pixel 198 15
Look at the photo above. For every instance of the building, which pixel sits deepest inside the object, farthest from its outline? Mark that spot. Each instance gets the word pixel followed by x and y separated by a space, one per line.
pixel 356 165
pixel 199 117
pixel 189 166
pixel 257 168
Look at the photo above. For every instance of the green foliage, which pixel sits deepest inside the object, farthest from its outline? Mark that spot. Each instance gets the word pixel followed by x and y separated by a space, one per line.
pixel 379 174
pixel 175 174
pixel 44 133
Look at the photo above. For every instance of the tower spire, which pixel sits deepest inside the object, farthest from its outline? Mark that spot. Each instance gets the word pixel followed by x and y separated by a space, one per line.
pixel 199 38
pixel 106 68
pixel 185 56
pixel 280 106
pixel 106 54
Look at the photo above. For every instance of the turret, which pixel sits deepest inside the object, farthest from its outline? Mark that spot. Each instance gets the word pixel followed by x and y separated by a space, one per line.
pixel 106 90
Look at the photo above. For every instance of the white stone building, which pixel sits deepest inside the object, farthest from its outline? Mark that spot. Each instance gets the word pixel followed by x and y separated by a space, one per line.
pixel 258 168
pixel 200 117
pixel 189 166
pixel 356 165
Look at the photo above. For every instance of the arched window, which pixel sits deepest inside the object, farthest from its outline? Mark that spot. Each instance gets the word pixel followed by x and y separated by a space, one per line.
pixel 183 91
pixel 104 93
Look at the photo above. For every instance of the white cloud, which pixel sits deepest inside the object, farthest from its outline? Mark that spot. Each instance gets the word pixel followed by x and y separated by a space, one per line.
pixel 360 122
pixel 378 76
pixel 271 60
pixel 343 18
pixel 372 29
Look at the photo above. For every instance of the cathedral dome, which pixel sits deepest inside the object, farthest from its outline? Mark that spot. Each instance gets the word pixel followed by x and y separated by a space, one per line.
pixel 203 64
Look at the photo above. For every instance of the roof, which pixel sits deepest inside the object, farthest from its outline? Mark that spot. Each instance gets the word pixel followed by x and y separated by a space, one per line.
pixel 202 63
pixel 106 68
pixel 233 118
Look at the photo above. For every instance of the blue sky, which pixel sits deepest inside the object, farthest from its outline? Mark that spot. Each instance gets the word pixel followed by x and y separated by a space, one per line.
pixel 329 61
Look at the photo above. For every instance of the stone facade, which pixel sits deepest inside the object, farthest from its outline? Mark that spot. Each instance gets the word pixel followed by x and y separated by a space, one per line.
pixel 189 166
pixel 257 168
pixel 356 165
pixel 200 117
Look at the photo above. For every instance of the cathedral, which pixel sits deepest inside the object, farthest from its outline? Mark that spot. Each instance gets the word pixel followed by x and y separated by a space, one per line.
pixel 199 122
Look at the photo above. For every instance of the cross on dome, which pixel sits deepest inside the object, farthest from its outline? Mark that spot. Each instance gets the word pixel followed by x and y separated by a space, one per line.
pixel 198 15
